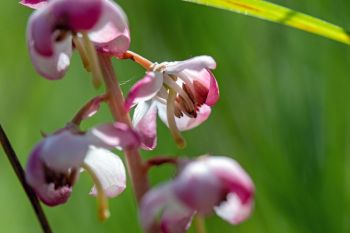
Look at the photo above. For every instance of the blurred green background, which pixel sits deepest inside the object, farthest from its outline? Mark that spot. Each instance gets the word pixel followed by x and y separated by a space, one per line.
pixel 284 114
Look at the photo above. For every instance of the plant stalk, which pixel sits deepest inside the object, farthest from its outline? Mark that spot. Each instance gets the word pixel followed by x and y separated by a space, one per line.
pixel 12 157
pixel 136 167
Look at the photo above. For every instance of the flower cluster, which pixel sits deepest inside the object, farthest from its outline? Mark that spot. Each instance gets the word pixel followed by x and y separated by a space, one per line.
pixel 180 93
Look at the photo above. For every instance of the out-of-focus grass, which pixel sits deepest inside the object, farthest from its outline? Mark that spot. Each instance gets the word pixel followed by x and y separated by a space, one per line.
pixel 284 114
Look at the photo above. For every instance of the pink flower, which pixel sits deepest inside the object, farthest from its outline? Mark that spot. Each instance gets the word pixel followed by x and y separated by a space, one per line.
pixel 161 211
pixel 180 92
pixel 54 164
pixel 206 184
pixel 52 27
pixel 227 188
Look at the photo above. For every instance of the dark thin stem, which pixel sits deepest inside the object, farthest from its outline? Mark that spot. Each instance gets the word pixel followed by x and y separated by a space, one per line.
pixel 12 157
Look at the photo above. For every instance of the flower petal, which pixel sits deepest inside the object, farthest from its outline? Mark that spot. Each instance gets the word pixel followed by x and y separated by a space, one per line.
pixel 185 123
pixel 161 211
pixel 233 210
pixel 35 176
pixel 203 84
pixel 77 15
pixel 145 89
pixel 196 63
pixel 198 187
pixel 109 170
pixel 111 33
pixel 56 64
pixel 64 150
pixel 241 189
pixel 34 4
pixel 145 122
pixel 114 135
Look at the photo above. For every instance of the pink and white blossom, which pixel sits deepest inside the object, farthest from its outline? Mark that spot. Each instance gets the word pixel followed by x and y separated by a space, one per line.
pixel 203 186
pixel 53 25
pixel 161 211
pixel 194 90
pixel 54 164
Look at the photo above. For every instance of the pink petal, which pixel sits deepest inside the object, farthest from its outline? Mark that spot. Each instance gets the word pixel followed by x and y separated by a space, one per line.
pixel 145 122
pixel 196 64
pixel 185 123
pixel 77 15
pixel 207 79
pixel 64 150
pixel 145 89
pixel 34 4
pixel 111 33
pixel 54 23
pixel 241 189
pixel 36 179
pixel 198 187
pixel 114 135
pixel 56 64
pixel 160 211
pixel 109 169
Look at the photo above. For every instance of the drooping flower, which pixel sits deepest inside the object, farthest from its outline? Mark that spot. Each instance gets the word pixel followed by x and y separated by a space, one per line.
pixel 161 210
pixel 56 24
pixel 226 187
pixel 54 164
pixel 205 185
pixel 180 92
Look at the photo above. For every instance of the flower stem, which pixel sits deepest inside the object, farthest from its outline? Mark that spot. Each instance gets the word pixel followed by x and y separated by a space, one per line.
pixel 136 167
pixel 87 109
pixel 11 155
pixel 145 63
pixel 199 224
pixel 158 161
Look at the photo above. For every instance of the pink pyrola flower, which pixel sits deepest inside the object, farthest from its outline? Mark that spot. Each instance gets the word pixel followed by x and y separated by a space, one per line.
pixel 180 92
pixel 216 182
pixel 54 164
pixel 206 184
pixel 161 211
pixel 52 27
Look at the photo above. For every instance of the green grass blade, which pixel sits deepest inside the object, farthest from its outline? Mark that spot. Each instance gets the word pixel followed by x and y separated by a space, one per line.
pixel 275 13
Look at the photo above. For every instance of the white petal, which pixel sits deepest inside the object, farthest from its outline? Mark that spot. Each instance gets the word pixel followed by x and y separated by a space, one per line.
pixel 64 150
pixel 109 169
pixel 185 123
pixel 233 210
pixel 196 63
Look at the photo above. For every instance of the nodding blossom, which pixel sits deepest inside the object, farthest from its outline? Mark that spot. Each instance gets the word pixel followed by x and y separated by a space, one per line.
pixel 58 26
pixel 55 163
pixel 180 92
pixel 205 185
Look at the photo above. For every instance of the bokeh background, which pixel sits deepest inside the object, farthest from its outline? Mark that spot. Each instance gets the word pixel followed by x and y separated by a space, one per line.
pixel 284 114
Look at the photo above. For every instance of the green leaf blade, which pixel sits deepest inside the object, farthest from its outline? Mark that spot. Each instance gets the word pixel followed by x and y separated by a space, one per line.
pixel 279 14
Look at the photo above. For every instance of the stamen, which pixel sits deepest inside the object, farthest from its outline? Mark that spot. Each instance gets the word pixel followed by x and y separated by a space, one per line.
pixel 82 52
pixel 180 141
pixel 97 77
pixel 173 85
pixel 103 211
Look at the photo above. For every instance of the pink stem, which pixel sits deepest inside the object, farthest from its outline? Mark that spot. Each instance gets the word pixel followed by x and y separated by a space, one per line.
pixel 79 116
pixel 136 168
